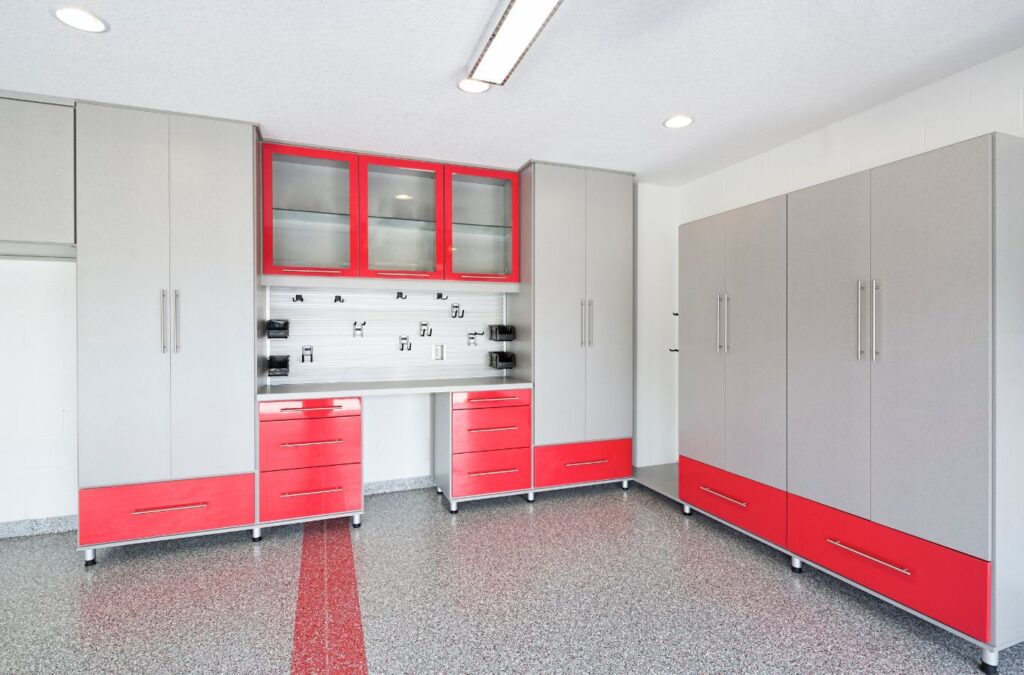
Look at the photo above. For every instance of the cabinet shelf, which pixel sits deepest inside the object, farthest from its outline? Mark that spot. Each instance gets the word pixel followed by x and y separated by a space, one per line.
pixel 490 226
pixel 310 212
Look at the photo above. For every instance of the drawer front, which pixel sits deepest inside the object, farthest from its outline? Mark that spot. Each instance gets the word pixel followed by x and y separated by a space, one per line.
pixel 126 512
pixel 950 587
pixel 491 399
pixel 491 429
pixel 300 493
pixel 310 408
pixel 582 462
pixel 482 473
pixel 297 444
pixel 755 507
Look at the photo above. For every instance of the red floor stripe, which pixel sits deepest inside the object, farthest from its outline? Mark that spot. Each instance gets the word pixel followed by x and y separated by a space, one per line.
pixel 328 624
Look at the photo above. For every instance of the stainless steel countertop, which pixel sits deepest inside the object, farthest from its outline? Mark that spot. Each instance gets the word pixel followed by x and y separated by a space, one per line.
pixel 281 392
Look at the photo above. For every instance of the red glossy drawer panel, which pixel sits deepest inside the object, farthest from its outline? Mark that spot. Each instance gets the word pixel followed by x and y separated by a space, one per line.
pixel 949 586
pixel 491 429
pixel 491 399
pixel 297 444
pixel 309 408
pixel 299 493
pixel 482 473
pixel 582 462
pixel 755 507
pixel 126 512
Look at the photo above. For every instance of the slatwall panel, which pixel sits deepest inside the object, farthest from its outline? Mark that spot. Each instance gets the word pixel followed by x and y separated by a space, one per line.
pixel 338 356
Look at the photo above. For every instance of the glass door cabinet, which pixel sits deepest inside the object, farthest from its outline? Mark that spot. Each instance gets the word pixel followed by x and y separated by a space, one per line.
pixel 482 221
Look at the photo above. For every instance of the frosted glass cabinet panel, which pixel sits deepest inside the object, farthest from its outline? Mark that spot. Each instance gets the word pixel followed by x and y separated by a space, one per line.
pixel 482 215
pixel 310 214
pixel 402 219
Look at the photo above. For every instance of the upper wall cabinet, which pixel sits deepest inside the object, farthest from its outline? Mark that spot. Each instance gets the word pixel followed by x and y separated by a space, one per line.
pixel 37 174
pixel 482 216
pixel 310 211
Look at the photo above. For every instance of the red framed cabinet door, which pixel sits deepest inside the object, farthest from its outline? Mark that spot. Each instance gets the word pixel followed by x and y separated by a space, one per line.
pixel 481 219
pixel 401 227
pixel 311 211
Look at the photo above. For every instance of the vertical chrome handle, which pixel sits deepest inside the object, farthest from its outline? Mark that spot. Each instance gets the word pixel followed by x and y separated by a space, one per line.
pixel 163 321
pixel 860 302
pixel 583 323
pixel 726 323
pixel 590 322
pixel 874 320
pixel 177 320
pixel 718 325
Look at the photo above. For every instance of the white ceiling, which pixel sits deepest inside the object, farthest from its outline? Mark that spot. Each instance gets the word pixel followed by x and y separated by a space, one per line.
pixel 379 75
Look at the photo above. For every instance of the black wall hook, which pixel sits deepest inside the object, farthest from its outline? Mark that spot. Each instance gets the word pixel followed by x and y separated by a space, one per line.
pixel 471 338
pixel 338 298
pixel 425 329
pixel 442 296
pixel 457 313
pixel 297 298
pixel 357 328
pixel 400 295
pixel 403 344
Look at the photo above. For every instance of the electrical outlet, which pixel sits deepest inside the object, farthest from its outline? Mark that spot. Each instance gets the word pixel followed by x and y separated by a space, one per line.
pixel 439 352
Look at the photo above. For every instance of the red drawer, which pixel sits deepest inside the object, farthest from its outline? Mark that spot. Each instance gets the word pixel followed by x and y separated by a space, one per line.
pixel 309 408
pixel 300 493
pixel 296 444
pixel 582 462
pixel 949 586
pixel 491 429
pixel 755 507
pixel 482 473
pixel 491 399
pixel 126 512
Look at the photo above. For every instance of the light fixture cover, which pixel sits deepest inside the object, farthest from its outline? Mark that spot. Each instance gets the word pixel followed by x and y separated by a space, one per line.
pixel 678 121
pixel 81 19
pixel 518 27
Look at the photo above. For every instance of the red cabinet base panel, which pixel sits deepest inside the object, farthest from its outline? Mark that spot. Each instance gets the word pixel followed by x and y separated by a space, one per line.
pixel 755 507
pixel 145 510
pixel 950 587
pixel 317 491
pixel 573 463
pixel 481 473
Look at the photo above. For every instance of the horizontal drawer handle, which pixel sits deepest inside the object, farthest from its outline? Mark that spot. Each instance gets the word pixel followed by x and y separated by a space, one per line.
pixel 292 269
pixel 493 473
pixel 721 496
pixel 311 492
pixel 300 445
pixel 165 509
pixel 333 407
pixel 481 431
pixel 593 461
pixel 862 554
pixel 483 276
pixel 488 400
pixel 404 274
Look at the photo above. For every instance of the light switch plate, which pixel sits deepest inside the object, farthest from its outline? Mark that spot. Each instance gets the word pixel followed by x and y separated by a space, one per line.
pixel 439 352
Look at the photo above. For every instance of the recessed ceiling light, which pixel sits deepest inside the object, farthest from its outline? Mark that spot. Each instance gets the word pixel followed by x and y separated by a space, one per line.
pixel 678 121
pixel 516 29
pixel 404 198
pixel 81 19
pixel 471 86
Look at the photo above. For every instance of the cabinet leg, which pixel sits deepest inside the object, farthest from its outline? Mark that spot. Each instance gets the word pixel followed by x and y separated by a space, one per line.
pixel 529 497
pixel 453 507
pixel 357 520
pixel 257 534
pixel 439 490
pixel 687 511
pixel 796 565
pixel 90 557
pixel 989 661
pixel 625 485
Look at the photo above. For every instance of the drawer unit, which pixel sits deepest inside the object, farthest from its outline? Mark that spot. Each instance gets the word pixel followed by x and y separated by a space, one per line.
pixel 755 507
pixel 481 473
pixel 140 511
pixel 582 462
pixel 467 400
pixel 950 587
pixel 316 491
pixel 490 429
pixel 310 408
pixel 298 443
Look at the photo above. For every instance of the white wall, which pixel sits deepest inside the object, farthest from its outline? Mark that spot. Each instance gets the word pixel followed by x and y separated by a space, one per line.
pixel 986 98
pixel 38 458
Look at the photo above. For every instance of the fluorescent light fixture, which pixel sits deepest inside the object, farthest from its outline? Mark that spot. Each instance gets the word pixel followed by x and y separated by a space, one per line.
pixel 471 86
pixel 678 121
pixel 514 33
pixel 81 19
pixel 403 197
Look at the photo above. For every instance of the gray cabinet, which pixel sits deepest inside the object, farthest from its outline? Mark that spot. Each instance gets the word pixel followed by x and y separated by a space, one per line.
pixel 829 369
pixel 575 310
pixel 37 174
pixel 166 310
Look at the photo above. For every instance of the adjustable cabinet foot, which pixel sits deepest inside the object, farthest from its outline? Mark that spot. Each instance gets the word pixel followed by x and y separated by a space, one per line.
pixel 625 485
pixel 357 520
pixel 90 557
pixel 687 511
pixel 439 490
pixel 796 565
pixel 989 661
pixel 257 534
pixel 453 507
pixel 529 497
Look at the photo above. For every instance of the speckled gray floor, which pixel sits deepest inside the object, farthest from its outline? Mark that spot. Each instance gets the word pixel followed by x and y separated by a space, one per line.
pixel 591 580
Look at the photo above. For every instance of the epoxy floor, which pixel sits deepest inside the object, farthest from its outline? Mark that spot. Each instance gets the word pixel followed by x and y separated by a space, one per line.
pixel 591 580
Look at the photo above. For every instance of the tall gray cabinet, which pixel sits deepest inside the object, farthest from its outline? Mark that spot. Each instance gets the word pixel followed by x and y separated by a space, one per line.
pixel 166 283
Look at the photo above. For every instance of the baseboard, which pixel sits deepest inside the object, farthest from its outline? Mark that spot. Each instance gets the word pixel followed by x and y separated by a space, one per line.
pixel 398 485
pixel 26 528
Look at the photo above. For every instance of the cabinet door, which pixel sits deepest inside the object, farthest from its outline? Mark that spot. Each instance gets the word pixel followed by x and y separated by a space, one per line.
pixel 609 305
pixel 701 351
pixel 754 333
pixel 401 235
pixel 213 412
pixel 829 407
pixel 123 312
pixel 931 388
pixel 37 174
pixel 560 368
pixel 481 224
